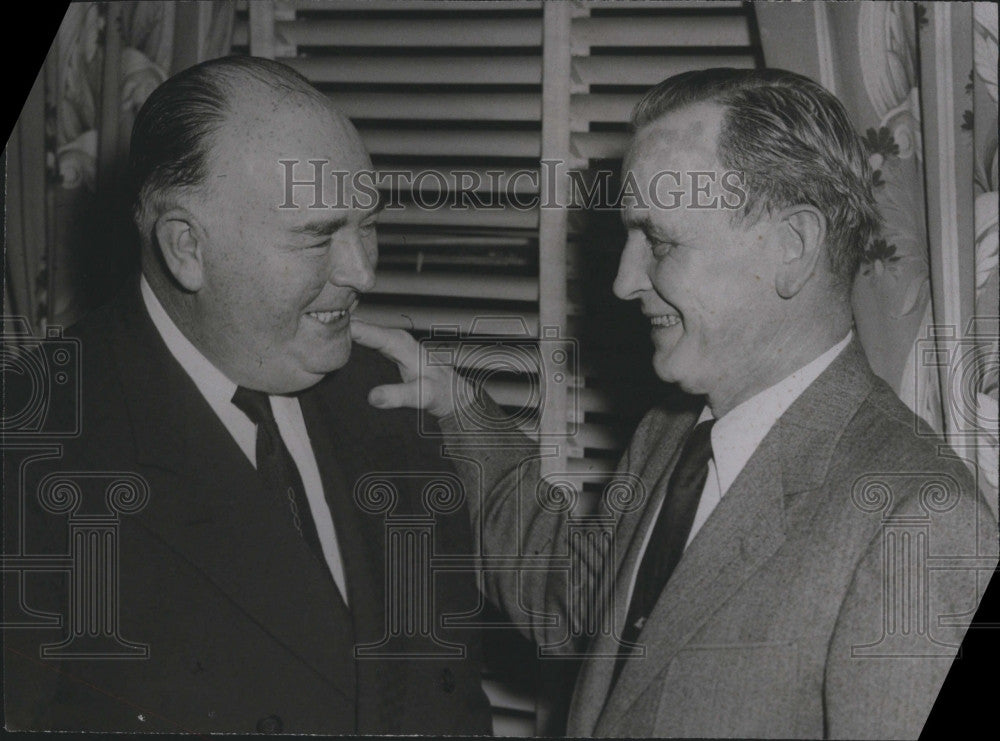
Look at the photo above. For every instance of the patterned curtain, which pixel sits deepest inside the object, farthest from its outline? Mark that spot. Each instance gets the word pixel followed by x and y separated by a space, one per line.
pixel 71 241
pixel 920 80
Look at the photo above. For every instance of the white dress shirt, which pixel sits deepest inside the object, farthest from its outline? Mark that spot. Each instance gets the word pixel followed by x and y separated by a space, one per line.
pixel 218 391
pixel 736 435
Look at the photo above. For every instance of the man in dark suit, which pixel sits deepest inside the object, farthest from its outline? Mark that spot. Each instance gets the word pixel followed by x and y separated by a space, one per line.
pixel 220 392
pixel 801 558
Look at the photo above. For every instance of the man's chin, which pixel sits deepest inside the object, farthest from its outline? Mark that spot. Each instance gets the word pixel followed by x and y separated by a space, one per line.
pixel 306 372
pixel 664 365
pixel 669 370
pixel 321 363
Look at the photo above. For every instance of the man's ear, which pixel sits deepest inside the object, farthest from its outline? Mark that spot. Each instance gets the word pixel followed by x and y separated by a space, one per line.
pixel 801 241
pixel 181 242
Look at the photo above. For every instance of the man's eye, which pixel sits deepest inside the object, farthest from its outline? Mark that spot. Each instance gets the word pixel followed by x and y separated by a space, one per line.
pixel 660 248
pixel 319 246
pixel 368 228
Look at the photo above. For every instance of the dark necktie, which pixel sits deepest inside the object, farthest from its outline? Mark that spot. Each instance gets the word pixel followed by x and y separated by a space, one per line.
pixel 670 533
pixel 276 467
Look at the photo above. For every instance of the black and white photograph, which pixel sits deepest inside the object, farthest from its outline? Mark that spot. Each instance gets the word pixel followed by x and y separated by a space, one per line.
pixel 517 368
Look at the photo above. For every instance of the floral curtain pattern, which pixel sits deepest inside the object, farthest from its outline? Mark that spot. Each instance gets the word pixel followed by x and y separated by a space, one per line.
pixel 892 294
pixel 987 198
pixel 920 82
pixel 147 36
pixel 73 244
pixel 142 53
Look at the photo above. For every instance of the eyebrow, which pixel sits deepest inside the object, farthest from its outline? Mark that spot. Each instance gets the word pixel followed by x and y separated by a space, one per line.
pixel 632 222
pixel 326 227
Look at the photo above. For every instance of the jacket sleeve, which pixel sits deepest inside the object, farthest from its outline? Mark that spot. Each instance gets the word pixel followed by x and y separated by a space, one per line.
pixel 532 570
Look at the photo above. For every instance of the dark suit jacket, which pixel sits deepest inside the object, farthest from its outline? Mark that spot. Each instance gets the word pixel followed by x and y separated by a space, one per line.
pixel 824 597
pixel 245 629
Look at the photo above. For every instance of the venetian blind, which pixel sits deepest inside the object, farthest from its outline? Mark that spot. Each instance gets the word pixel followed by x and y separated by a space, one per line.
pixel 492 88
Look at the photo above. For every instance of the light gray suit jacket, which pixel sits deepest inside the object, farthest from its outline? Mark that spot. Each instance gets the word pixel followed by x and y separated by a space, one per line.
pixel 825 597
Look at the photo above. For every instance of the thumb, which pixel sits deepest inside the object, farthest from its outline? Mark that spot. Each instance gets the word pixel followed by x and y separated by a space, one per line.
pixel 395 395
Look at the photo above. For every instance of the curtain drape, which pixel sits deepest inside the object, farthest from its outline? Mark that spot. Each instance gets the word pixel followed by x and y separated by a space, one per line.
pixel 69 240
pixel 920 81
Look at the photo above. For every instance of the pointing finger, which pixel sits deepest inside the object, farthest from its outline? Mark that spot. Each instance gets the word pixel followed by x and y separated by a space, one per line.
pixel 395 344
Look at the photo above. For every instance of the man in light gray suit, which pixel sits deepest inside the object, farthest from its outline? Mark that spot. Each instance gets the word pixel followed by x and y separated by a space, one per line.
pixel 778 576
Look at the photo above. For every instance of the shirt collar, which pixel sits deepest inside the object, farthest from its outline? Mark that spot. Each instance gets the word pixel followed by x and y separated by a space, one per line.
pixel 213 383
pixel 737 434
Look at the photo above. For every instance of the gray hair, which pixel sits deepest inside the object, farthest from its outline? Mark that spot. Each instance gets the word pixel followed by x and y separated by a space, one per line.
pixel 794 143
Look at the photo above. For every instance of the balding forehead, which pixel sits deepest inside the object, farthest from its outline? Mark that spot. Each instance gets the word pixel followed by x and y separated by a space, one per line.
pixel 276 114
pixel 259 101
pixel 247 153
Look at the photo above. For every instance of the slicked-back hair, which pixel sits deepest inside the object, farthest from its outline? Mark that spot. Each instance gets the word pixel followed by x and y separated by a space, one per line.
pixel 173 131
pixel 794 143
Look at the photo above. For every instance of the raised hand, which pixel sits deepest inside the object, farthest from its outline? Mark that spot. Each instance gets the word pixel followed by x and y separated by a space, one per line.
pixel 433 388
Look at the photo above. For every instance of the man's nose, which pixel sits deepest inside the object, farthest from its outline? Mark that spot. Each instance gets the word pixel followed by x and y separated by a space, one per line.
pixel 354 265
pixel 633 271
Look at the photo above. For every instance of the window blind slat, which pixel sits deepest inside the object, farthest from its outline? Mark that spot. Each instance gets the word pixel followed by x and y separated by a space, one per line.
pixel 474 285
pixel 599 144
pixel 408 239
pixel 604 107
pixel 668 31
pixel 441 106
pixel 474 180
pixel 444 143
pixel 484 70
pixel 506 218
pixel 598 469
pixel 648 69
pixel 389 32
pixel 409 5
pixel 422 318
pixel 685 5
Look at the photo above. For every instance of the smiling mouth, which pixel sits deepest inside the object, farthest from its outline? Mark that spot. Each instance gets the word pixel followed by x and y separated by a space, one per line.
pixel 330 317
pixel 664 320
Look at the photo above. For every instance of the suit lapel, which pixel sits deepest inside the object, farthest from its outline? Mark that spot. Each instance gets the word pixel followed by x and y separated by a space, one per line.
pixel 212 510
pixel 743 531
